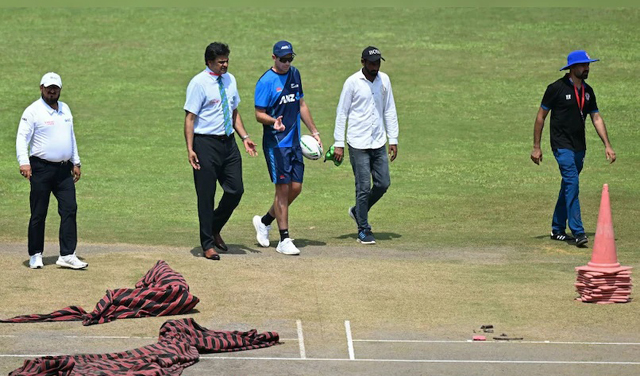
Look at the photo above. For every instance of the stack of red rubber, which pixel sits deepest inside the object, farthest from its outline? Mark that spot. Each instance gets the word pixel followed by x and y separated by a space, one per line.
pixel 603 280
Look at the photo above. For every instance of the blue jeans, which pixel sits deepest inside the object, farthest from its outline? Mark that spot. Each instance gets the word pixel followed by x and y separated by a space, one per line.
pixel 568 206
pixel 367 163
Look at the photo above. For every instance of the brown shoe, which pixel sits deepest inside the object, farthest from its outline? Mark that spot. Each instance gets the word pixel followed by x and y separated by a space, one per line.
pixel 211 254
pixel 219 243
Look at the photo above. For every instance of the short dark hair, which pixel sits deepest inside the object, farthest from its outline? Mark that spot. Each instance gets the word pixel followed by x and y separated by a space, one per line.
pixel 214 50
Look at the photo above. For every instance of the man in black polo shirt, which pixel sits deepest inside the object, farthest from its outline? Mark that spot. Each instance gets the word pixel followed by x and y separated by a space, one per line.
pixel 570 99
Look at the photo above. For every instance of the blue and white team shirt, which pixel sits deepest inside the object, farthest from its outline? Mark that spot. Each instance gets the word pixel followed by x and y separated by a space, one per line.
pixel 203 100
pixel 280 95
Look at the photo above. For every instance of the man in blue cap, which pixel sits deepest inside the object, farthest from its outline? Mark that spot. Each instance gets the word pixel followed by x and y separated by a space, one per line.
pixel 279 106
pixel 570 99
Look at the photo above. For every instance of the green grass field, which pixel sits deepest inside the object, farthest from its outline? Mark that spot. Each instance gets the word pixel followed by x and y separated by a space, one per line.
pixel 467 84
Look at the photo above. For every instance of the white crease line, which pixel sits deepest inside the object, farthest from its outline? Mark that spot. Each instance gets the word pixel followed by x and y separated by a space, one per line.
pixel 425 360
pixel 109 337
pixel 81 337
pixel 498 341
pixel 587 343
pixel 373 340
pixel 347 328
pixel 461 361
pixel 106 337
pixel 303 353
pixel 411 341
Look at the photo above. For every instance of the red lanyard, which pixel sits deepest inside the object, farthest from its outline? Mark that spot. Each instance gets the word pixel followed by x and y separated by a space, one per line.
pixel 580 103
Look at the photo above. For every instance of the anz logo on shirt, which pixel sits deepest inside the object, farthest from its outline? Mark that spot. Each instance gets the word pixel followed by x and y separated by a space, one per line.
pixel 289 98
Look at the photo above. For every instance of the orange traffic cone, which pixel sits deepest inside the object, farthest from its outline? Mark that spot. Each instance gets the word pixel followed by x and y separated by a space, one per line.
pixel 604 257
pixel 604 246
pixel 603 280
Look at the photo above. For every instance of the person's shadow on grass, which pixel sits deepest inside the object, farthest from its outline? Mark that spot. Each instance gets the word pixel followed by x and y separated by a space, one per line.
pixel 301 243
pixel 571 241
pixel 377 235
pixel 234 249
pixel 591 235
pixel 237 249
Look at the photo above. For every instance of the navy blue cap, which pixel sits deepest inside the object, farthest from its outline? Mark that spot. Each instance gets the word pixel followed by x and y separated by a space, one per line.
pixel 371 54
pixel 577 57
pixel 283 48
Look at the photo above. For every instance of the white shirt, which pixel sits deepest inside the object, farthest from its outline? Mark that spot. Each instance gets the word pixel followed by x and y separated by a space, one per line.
pixel 369 109
pixel 203 100
pixel 48 133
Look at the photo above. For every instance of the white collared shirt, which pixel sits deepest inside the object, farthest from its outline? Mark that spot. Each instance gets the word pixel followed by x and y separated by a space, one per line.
pixel 369 109
pixel 203 100
pixel 47 133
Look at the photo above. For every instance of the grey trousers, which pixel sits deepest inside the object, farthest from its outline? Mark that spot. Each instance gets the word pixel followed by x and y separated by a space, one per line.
pixel 368 163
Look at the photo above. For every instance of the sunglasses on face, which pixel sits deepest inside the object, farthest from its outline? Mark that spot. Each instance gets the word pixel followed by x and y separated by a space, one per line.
pixel 286 59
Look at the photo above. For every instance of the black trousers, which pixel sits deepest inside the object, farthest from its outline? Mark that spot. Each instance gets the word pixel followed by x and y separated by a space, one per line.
pixel 52 177
pixel 220 161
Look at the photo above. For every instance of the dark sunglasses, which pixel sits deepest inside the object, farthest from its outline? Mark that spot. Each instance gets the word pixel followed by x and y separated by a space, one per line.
pixel 286 59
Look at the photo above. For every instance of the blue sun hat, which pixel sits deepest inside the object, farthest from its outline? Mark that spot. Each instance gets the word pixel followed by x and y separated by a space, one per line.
pixel 578 57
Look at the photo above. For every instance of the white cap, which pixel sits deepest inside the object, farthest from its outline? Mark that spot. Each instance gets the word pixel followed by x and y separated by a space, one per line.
pixel 51 79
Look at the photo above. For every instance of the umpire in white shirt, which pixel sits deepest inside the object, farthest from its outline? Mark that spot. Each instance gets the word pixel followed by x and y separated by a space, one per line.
pixel 48 157
pixel 367 105
pixel 210 123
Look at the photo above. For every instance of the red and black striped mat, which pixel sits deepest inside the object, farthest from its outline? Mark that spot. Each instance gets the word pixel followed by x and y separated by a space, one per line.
pixel 179 346
pixel 161 292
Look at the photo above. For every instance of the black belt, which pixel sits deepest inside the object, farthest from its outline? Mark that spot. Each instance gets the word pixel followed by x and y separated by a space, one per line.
pixel 32 158
pixel 222 137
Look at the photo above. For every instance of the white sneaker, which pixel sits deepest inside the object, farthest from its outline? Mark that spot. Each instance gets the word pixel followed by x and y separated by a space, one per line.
pixel 262 231
pixel 35 262
pixel 286 247
pixel 71 261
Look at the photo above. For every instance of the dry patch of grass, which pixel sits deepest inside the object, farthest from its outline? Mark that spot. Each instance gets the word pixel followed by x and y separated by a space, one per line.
pixel 405 293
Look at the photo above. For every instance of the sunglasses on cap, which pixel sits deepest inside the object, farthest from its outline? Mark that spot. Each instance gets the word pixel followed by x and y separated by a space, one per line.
pixel 286 59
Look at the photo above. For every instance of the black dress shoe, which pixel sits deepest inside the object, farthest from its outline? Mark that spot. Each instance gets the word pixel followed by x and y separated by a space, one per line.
pixel 211 254
pixel 219 243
